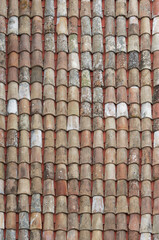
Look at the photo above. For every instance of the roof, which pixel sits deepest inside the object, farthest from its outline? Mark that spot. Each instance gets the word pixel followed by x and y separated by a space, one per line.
pixel 79 119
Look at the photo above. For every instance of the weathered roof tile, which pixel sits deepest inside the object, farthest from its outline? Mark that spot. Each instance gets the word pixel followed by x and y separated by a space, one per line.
pixel 13 25
pixel 24 25
pixel 86 44
pixel 121 44
pixel 61 8
pixel 110 44
pixel 61 25
pixel 73 61
pixel 49 8
pixel 155 28
pixel 61 43
pixel 121 8
pixel 85 8
pixel 36 8
pixel 73 10
pixel 121 26
pixel 109 8
pixel 133 43
pixel 3 8
pixel 97 8
pixel 145 9
pixel 97 26
pixel 24 8
pixel 85 26
pixel 133 8
pixel 73 43
pixel 133 26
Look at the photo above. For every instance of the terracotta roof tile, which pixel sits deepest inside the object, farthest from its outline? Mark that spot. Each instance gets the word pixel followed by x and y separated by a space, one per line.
pixel 3 9
pixel 79 109
pixel 133 26
pixel 24 8
pixel 72 25
pixel 73 9
pixel 133 8
pixel 73 61
pixel 155 9
pixel 13 25
pixel 109 221
pixel 97 26
pixel 145 25
pixel 121 8
pixel 62 43
pixel 3 25
pixel 13 8
pixel 2 46
pixel 155 219
pixel 24 43
pixel 37 25
pixel 24 25
pixel 49 8
pixel 85 8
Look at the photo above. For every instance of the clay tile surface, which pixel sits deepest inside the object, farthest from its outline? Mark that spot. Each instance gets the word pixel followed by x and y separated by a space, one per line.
pixel 13 25
pixel 49 8
pixel 3 8
pixel 145 9
pixel 79 119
